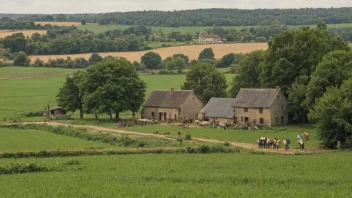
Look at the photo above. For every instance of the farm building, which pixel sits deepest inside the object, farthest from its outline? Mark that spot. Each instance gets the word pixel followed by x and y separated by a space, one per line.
pixel 57 112
pixel 204 37
pixel 218 109
pixel 261 106
pixel 172 105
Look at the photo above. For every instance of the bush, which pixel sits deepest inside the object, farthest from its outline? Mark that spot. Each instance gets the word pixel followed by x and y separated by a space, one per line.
pixel 188 136
pixel 204 149
pixel 125 141
pixel 34 114
pixel 21 59
pixel 226 144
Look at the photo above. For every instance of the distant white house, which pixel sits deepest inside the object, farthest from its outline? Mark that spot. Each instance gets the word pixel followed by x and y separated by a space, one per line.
pixel 204 37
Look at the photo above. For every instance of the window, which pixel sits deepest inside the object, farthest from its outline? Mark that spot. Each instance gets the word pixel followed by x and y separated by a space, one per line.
pixel 261 110
pixel 261 120
pixel 282 107
pixel 153 114
pixel 245 109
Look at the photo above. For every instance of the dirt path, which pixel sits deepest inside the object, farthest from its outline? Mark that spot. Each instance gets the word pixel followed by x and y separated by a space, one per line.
pixel 248 146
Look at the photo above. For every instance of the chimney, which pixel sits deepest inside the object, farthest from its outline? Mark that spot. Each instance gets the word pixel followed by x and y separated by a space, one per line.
pixel 172 89
pixel 277 88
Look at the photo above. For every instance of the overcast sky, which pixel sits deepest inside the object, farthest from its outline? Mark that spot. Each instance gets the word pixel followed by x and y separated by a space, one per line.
pixel 100 6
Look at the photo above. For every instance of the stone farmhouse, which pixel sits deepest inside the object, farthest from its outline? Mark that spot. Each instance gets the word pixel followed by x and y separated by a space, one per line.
pixel 261 106
pixel 218 110
pixel 174 105
pixel 204 37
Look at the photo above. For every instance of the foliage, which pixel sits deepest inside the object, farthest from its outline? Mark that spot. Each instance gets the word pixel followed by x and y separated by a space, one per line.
pixel 176 63
pixel 21 59
pixel 70 96
pixel 182 56
pixel 332 115
pixel 16 42
pixel 206 81
pixel 111 87
pixel 207 53
pixel 94 58
pixel 151 60
pixel 228 60
pixel 248 71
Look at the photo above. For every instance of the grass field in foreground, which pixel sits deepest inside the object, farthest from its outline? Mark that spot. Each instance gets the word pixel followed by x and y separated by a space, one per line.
pixel 33 71
pixel 19 140
pixel 183 30
pixel 187 175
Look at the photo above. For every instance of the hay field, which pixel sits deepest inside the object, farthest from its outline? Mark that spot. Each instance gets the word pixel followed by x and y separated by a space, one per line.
pixel 5 33
pixel 59 23
pixel 192 51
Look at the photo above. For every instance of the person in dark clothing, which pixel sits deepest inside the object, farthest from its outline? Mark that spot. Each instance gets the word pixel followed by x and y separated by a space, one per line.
pixel 288 141
pixel 265 142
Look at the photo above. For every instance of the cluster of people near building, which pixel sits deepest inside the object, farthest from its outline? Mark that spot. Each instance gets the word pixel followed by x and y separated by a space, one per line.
pixel 267 143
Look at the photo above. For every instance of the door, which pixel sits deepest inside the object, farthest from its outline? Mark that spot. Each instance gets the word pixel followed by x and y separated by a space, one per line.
pixel 165 116
pixel 282 119
pixel 246 120
pixel 160 116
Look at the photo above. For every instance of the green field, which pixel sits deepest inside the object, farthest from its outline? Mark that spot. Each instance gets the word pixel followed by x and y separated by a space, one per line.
pixel 19 96
pixel 187 175
pixel 33 71
pixel 15 140
pixel 183 30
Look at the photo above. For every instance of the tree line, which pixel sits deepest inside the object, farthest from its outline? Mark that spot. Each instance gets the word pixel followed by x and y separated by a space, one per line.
pixel 9 24
pixel 207 17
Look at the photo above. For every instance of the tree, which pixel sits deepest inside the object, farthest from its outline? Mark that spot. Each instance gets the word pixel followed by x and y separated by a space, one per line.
pixel 226 60
pixel 332 115
pixel 111 87
pixel 152 60
pixel 248 72
pixel 16 42
pixel 21 59
pixel 94 58
pixel 207 53
pixel 70 96
pixel 182 56
pixel 293 54
pixel 260 39
pixel 83 22
pixel 176 63
pixel 61 18
pixel 206 81
pixel 38 63
pixel 334 68
pixel 188 37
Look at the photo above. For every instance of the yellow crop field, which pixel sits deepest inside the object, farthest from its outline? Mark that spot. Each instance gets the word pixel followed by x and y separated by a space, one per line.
pixel 5 33
pixel 59 23
pixel 192 51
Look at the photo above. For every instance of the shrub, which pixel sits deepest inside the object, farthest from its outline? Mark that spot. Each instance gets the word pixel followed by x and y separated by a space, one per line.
pixel 204 149
pixel 125 141
pixel 34 114
pixel 188 136
pixel 226 144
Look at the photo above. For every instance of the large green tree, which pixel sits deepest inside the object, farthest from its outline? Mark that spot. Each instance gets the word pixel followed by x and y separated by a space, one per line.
pixel 152 60
pixel 21 59
pixel 176 63
pixel 94 58
pixel 70 96
pixel 334 68
pixel 207 53
pixel 206 81
pixel 332 115
pixel 248 72
pixel 111 87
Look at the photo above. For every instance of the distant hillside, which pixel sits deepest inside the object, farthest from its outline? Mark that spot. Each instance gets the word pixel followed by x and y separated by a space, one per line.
pixel 206 17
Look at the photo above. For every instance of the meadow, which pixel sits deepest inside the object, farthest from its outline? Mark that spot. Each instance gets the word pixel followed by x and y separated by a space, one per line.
pixel 192 51
pixel 19 96
pixel 14 140
pixel 186 175
pixel 96 28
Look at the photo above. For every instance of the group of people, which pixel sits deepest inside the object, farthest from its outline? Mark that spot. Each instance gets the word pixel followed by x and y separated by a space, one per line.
pixel 267 143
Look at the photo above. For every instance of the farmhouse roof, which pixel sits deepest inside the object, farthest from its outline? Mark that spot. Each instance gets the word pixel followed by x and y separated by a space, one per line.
pixel 167 98
pixel 206 35
pixel 219 108
pixel 255 98
pixel 56 108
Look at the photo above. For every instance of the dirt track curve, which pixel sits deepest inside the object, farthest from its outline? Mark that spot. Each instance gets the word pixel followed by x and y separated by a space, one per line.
pixel 248 146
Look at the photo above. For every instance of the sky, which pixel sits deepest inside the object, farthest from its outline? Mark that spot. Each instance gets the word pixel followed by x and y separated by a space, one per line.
pixel 102 6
